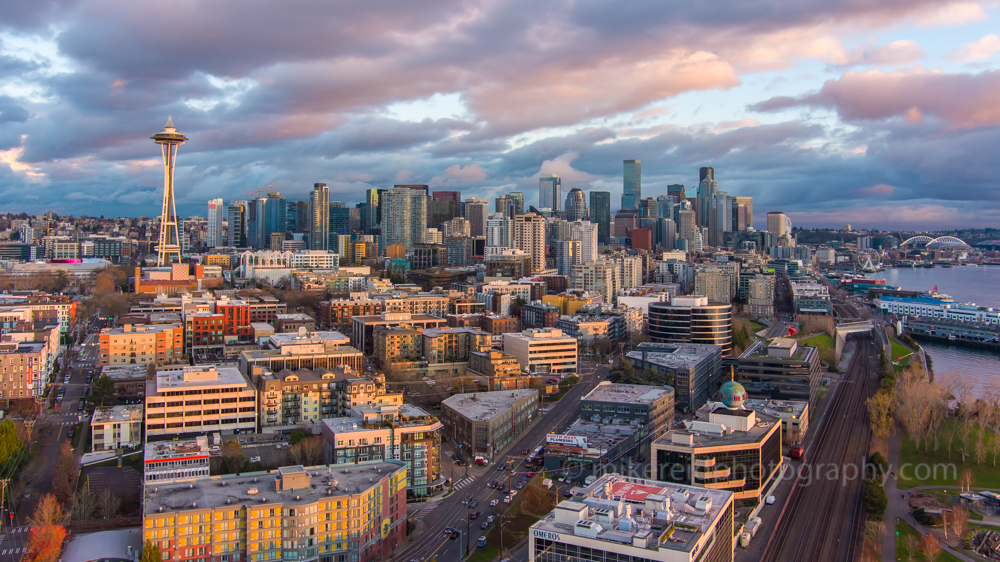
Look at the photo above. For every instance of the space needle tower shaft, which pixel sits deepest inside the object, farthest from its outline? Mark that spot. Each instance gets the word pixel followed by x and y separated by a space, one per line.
pixel 169 244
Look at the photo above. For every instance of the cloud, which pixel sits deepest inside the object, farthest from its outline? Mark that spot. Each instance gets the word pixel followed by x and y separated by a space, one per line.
pixel 470 173
pixel 982 49
pixel 878 190
pixel 911 93
pixel 896 53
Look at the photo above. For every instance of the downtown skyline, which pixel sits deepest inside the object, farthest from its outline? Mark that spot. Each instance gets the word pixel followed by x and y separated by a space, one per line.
pixel 879 115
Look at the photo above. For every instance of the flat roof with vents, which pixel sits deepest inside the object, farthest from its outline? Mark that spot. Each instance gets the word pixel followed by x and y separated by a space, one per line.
pixel 486 406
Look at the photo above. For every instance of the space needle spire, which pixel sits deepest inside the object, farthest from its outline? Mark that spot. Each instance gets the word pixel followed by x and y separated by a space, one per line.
pixel 169 244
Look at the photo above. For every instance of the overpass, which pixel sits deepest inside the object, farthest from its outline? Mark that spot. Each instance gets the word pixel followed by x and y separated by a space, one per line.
pixel 843 330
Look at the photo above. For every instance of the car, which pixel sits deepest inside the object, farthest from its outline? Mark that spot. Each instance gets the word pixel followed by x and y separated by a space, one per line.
pixel 506 499
pixel 513 493
pixel 520 485
pixel 494 503
pixel 513 473
pixel 484 525
pixel 455 534
pixel 770 500
pixel 490 519
pixel 525 451
pixel 70 435
pixel 465 501
pixel 500 467
pixel 530 474
pixel 254 459
pixel 500 487
pixel 797 452
pixel 473 503
pixel 474 515
pixel 568 494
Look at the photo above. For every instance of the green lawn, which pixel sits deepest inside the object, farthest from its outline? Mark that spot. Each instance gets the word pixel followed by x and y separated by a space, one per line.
pixel 824 344
pixel 904 529
pixel 942 471
pixel 487 555
pixel 901 355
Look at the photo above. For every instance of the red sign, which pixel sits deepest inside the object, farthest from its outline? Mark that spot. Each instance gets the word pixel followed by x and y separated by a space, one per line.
pixel 635 492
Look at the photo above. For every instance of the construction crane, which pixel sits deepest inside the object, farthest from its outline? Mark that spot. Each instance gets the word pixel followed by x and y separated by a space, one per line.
pixel 270 187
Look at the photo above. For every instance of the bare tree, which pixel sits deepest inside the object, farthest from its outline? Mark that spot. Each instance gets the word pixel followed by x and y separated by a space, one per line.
pixel 308 452
pixel 959 520
pixel 108 504
pixel 912 544
pixel 83 505
pixel 966 479
pixel 930 546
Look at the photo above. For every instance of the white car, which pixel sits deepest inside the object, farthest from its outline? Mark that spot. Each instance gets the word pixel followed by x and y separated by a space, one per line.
pixel 254 459
pixel 506 499
pixel 494 503
pixel 513 493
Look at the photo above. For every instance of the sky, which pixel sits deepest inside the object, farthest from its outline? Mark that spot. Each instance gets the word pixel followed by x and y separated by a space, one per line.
pixel 877 113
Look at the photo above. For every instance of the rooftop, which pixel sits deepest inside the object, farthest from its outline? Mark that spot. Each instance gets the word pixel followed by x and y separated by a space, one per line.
pixel 600 437
pixel 759 350
pixel 166 450
pixel 199 377
pixel 710 428
pixel 302 337
pixel 260 488
pixel 777 408
pixel 627 393
pixel 486 406
pixel 409 416
pixel 674 355
pixel 112 414
pixel 640 513
pixel 295 316
pixel 118 372
pixel 106 546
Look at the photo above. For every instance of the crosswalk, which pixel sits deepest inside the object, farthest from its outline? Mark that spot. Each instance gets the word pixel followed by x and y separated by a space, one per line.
pixel 23 529
pixel 424 510
pixel 11 551
pixel 464 482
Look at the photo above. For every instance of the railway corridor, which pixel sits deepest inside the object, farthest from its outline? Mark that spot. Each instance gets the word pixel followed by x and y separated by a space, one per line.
pixel 823 518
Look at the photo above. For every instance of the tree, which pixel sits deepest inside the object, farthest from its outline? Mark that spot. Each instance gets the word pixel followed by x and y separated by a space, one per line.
pixel 297 435
pixel 104 392
pixel 151 553
pixel 874 499
pixel 879 461
pixel 83 505
pixel 911 544
pixel 966 479
pixel 47 533
pixel 64 474
pixel 959 520
pixel 48 512
pixel 10 443
pixel 108 504
pixel 930 546
pixel 232 456
pixel 308 452
pixel 880 408
pixel 105 283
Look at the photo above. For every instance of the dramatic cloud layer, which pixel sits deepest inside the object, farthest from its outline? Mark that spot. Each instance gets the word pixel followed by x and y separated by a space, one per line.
pixel 833 111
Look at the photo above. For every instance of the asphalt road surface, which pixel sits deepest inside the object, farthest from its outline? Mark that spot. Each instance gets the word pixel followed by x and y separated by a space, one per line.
pixel 429 539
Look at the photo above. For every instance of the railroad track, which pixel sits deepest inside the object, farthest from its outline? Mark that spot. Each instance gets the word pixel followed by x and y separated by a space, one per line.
pixel 817 504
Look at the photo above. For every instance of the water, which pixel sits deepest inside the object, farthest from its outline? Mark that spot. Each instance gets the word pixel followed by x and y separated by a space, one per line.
pixel 980 285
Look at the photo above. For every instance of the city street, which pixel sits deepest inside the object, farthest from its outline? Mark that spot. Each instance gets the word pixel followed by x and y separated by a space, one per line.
pixel 429 539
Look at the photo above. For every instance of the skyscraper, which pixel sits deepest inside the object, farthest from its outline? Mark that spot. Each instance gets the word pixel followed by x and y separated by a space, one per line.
pixel 686 226
pixel 270 216
pixel 600 214
pixel 214 234
pixel 632 184
pixel 649 208
pixel 567 255
pixel 453 196
pixel 676 191
pixel 374 211
pixel 417 186
pixel 477 211
pixel 742 213
pixel 169 244
pixel 404 216
pixel 576 206
pixel 237 216
pixel 778 224
pixel 510 204
pixel 707 187
pixel 319 211
pixel 529 235
pixel 299 215
pixel 549 192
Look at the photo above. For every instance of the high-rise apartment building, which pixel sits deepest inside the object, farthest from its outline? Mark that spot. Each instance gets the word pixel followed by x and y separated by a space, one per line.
pixel 632 184
pixel 476 212
pixel 215 234
pixel 567 255
pixel 529 236
pixel 374 210
pixel 404 216
pixel 415 186
pixel 692 319
pixel 576 205
pixel 457 226
pixel 319 211
pixel 686 226
pixel 549 192
pixel 237 216
pixel 600 214
pixel 649 208
pixel 586 233
pixel 499 233
pixel 595 277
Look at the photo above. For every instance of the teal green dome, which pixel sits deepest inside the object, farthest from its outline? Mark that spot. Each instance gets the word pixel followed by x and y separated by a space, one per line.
pixel 732 394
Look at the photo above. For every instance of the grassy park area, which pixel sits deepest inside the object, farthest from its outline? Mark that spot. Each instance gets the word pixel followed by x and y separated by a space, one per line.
pixel 903 553
pixel 825 346
pixel 901 355
pixel 942 470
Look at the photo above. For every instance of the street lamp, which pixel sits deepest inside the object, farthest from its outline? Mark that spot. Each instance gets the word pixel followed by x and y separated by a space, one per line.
pixel 501 533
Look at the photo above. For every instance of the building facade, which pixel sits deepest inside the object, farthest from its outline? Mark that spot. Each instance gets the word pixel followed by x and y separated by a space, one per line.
pixel 484 423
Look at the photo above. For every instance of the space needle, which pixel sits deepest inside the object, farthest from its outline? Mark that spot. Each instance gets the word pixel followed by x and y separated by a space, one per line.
pixel 169 244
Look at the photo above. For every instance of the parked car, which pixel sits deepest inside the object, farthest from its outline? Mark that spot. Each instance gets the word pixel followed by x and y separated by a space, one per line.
pixel 484 525
pixel 513 493
pixel 506 499
pixel 489 519
pixel 254 459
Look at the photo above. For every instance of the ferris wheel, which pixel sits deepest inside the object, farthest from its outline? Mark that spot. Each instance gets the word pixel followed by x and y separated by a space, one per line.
pixel 869 260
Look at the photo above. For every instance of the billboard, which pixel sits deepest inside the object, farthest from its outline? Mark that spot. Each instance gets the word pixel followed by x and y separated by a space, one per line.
pixel 579 441
pixel 552 389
